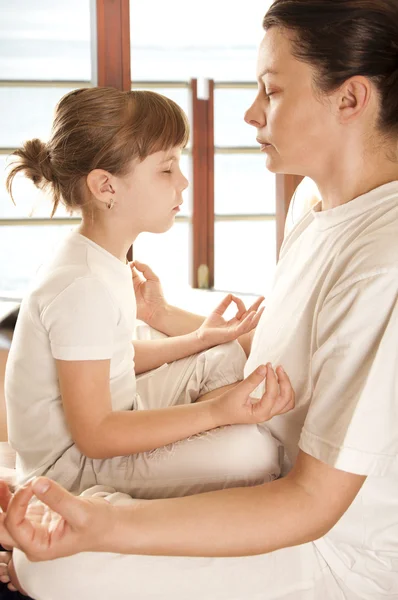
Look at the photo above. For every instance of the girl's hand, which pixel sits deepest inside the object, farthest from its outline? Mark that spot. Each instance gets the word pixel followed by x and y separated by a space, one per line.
pixel 236 406
pixel 59 525
pixel 216 330
pixel 148 291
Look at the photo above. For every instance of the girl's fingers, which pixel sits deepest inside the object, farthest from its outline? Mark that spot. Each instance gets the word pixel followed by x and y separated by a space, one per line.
pixel 246 325
pixel 242 311
pixel 145 270
pixel 240 306
pixel 278 398
pixel 285 386
pixel 222 307
pixel 257 318
pixel 272 388
pixel 256 305
pixel 285 400
pixel 249 384
pixel 135 273
pixel 234 322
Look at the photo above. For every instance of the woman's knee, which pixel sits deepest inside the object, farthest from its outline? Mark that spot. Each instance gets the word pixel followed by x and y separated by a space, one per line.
pixel 33 577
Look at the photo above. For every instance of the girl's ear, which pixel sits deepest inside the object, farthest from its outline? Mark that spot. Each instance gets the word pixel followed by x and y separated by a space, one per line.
pixel 100 186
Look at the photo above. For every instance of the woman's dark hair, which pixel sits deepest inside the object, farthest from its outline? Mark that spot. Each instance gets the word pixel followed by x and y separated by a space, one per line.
pixel 344 38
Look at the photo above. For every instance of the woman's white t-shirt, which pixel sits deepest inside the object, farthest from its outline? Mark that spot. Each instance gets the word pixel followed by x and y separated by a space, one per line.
pixel 82 307
pixel 332 322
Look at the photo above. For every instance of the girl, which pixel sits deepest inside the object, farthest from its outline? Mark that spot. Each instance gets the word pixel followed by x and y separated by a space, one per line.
pixel 76 410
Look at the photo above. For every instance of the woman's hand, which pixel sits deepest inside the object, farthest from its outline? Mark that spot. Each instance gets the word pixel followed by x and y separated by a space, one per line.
pixel 148 291
pixel 236 405
pixel 216 330
pixel 63 526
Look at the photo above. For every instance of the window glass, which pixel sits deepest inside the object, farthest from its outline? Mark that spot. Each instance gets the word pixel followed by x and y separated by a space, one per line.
pixel 245 259
pixel 45 40
pixel 27 113
pixel 243 185
pixel 26 248
pixel 230 129
pixel 217 40
pixel 167 254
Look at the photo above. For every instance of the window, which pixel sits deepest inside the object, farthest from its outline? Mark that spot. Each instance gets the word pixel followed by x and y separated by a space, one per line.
pixel 217 40
pixel 45 51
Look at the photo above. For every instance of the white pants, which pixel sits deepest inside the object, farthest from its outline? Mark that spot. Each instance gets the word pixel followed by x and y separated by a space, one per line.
pixel 225 457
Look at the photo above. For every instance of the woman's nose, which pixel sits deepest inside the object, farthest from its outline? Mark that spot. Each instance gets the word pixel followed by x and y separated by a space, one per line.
pixel 255 115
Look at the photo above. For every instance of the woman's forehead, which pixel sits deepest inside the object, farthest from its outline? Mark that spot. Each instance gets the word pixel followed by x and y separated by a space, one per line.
pixel 275 55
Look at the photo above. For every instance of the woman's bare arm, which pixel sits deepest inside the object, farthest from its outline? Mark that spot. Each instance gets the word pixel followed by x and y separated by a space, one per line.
pixel 236 522
pixel 294 510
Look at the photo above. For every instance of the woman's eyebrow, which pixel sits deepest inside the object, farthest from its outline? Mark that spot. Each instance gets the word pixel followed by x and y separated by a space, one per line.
pixel 267 72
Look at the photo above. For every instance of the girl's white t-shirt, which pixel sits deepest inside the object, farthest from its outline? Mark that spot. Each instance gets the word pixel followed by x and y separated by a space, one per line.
pixel 81 307
pixel 332 322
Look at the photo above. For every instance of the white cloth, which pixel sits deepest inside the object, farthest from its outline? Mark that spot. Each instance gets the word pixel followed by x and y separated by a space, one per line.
pixel 82 307
pixel 332 322
pixel 224 457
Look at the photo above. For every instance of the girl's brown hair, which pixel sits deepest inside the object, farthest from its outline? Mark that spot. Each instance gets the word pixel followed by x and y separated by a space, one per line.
pixel 98 128
pixel 344 38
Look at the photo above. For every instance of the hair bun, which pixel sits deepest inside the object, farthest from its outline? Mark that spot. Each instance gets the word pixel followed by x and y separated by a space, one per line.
pixel 36 157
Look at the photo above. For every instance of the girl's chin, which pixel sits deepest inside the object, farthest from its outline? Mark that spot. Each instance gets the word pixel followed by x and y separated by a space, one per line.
pixel 163 227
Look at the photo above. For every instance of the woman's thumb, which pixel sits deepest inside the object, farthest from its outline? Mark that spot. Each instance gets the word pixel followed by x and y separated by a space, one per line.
pixel 56 498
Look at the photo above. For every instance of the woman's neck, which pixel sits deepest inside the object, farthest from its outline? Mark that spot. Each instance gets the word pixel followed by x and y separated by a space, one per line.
pixel 354 174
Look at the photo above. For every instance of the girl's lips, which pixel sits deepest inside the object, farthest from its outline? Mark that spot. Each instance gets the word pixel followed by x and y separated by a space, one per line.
pixel 263 145
pixel 176 209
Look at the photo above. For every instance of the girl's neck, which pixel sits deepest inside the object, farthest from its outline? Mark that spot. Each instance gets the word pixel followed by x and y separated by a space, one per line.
pixel 116 245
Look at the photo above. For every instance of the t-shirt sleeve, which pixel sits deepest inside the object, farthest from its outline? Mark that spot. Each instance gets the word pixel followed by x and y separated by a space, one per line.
pixel 81 321
pixel 352 422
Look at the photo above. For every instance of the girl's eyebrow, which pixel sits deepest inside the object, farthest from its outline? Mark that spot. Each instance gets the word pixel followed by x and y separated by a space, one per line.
pixel 168 159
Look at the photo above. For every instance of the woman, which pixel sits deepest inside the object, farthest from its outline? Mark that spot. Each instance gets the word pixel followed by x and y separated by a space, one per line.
pixel 327 108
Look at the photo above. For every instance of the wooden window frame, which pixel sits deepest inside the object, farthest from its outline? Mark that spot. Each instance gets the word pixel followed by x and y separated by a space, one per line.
pixel 203 186
pixel 114 70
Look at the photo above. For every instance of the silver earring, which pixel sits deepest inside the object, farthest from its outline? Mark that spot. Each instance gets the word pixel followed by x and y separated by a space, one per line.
pixel 110 204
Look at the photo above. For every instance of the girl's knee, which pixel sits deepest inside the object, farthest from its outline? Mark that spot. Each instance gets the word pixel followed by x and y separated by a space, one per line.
pixel 249 453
